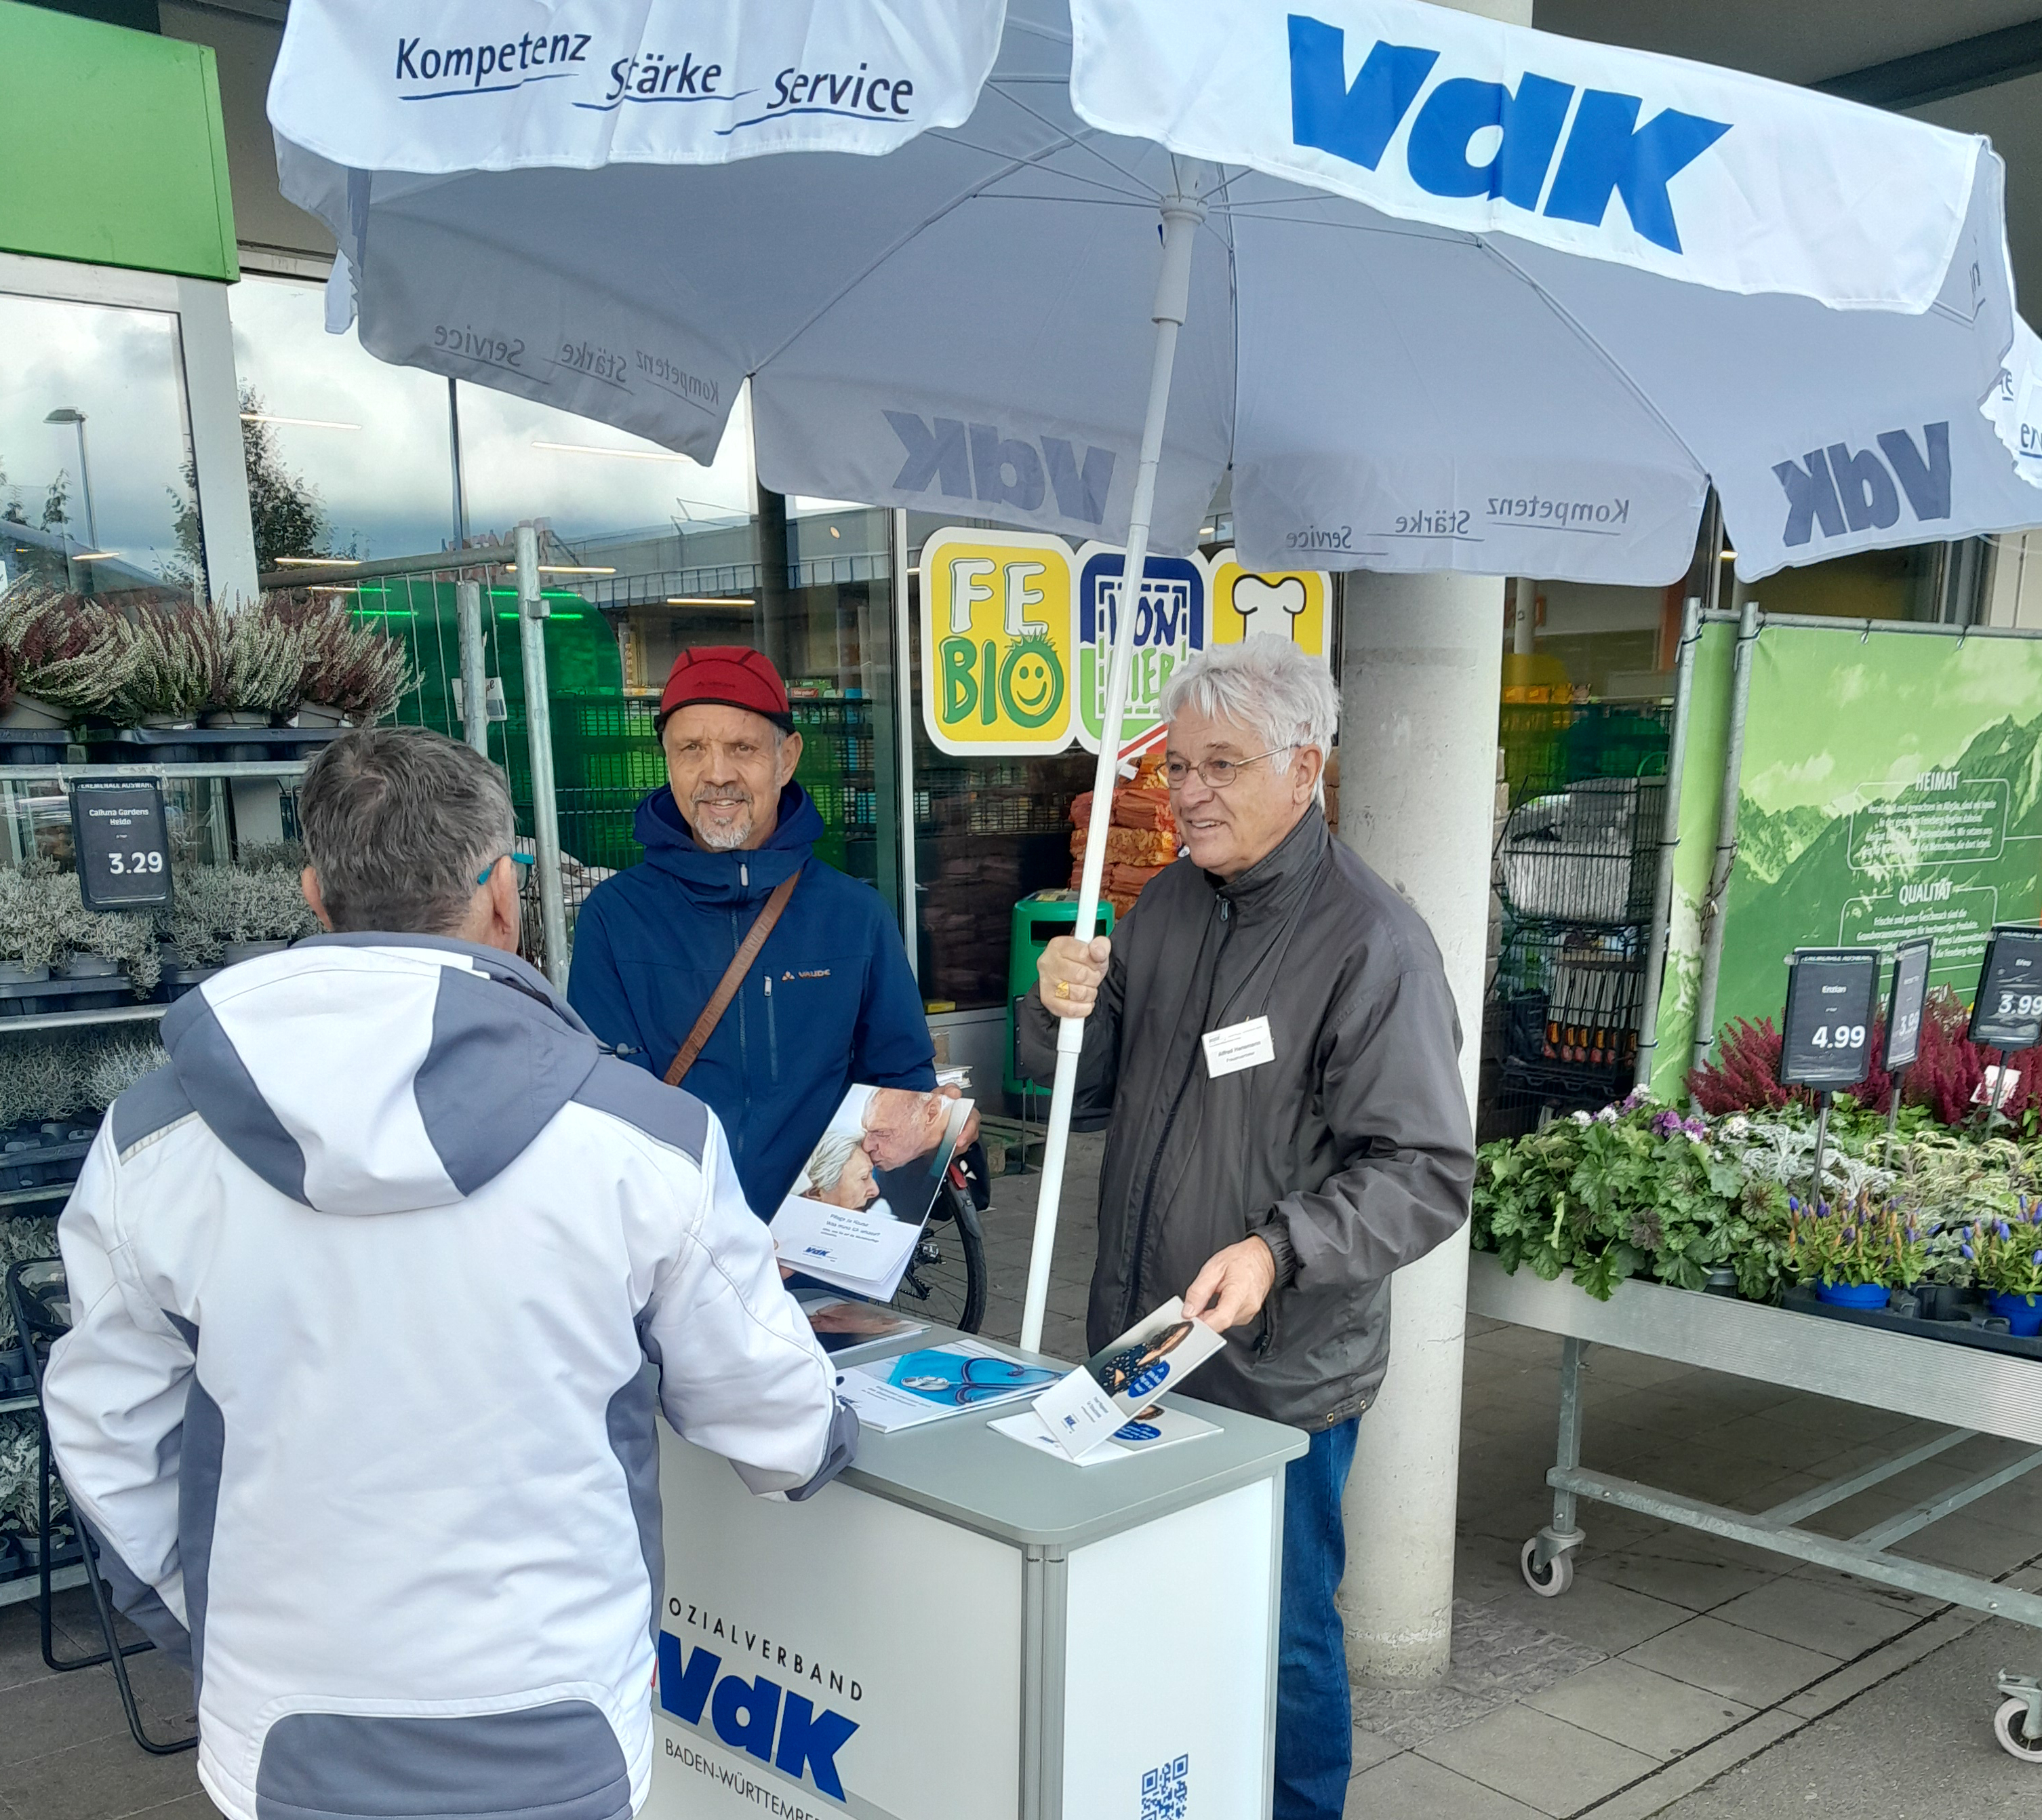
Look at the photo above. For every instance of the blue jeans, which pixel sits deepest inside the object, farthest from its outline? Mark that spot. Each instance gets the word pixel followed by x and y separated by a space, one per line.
pixel 1314 1713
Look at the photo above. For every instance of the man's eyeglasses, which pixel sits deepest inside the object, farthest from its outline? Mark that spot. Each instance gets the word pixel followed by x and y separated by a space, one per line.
pixel 1215 773
pixel 482 877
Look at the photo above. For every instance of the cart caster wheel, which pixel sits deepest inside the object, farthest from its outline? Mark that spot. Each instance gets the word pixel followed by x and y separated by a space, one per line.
pixel 1558 1575
pixel 2006 1725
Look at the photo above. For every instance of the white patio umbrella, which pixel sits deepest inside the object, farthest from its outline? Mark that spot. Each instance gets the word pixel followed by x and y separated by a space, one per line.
pixel 1442 294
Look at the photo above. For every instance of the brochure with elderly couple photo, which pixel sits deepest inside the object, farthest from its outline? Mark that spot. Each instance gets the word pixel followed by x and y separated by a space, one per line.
pixel 853 1216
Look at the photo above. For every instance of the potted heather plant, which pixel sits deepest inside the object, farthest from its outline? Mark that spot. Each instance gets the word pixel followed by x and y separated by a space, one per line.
pixel 257 662
pixel 223 914
pixel 106 942
pixel 66 657
pixel 32 927
pixel 352 674
pixel 170 683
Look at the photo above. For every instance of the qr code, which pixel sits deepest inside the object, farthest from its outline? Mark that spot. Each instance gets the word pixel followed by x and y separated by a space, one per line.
pixel 1165 1792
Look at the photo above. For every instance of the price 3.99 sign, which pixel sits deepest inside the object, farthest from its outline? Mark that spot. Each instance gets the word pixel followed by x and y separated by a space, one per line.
pixel 2007 1014
pixel 1828 1037
pixel 123 845
pixel 1910 995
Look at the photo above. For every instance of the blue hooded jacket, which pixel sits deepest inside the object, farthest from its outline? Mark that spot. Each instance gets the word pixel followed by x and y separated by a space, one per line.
pixel 830 999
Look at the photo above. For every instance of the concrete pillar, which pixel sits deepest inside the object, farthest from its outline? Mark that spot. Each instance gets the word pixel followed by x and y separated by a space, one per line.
pixel 1422 666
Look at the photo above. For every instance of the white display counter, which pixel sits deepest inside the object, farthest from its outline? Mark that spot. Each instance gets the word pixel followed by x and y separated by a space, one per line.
pixel 961 1628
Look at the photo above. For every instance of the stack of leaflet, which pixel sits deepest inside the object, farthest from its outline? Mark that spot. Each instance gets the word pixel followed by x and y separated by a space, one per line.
pixel 853 1216
pixel 926 1386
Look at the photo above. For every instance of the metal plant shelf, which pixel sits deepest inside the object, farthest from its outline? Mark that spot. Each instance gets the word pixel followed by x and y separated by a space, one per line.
pixel 1970 1390
pixel 70 1020
pixel 22 1588
pixel 278 767
pixel 27 1197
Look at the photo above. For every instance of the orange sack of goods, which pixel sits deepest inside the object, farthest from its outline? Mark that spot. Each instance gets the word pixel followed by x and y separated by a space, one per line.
pixel 1141 840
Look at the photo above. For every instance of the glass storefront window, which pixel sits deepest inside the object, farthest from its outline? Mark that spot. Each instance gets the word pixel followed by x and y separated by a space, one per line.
pixel 347 456
pixel 97 491
pixel 521 459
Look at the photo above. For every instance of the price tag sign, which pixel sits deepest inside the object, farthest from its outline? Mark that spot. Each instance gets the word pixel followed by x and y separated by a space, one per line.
pixel 1829 996
pixel 124 848
pixel 2007 1014
pixel 1903 1008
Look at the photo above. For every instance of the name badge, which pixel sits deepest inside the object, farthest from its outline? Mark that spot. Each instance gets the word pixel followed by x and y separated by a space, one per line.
pixel 1245 1045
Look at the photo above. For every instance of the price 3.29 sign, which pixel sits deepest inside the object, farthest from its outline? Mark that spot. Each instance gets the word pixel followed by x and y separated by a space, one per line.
pixel 123 844
pixel 2007 1014
pixel 1827 1041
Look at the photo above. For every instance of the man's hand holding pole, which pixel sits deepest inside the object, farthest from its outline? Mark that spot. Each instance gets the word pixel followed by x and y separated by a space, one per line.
pixel 1070 973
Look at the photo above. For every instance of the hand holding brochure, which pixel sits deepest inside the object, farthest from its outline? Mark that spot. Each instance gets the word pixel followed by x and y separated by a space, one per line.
pixel 853 1218
pixel 1116 1383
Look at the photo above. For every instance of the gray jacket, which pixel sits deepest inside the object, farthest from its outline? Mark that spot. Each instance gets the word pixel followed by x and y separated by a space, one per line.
pixel 1350 1153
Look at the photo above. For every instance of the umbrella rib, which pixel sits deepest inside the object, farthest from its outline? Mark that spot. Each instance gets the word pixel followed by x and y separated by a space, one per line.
pixel 1598 350
pixel 887 252
pixel 1146 198
pixel 1081 141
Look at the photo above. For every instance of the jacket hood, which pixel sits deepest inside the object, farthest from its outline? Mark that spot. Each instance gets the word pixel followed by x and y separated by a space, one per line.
pixel 378 1073
pixel 731 876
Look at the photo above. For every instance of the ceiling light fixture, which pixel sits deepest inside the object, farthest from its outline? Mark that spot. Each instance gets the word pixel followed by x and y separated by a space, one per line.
pixel 709 600
pixel 300 423
pixel 318 562
pixel 597 449
pixel 563 569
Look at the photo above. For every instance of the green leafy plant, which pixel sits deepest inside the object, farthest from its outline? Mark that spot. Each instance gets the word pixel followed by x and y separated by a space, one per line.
pixel 2007 1252
pixel 1862 1241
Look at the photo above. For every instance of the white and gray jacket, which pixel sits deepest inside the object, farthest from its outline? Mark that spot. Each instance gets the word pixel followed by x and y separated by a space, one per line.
pixel 365 1285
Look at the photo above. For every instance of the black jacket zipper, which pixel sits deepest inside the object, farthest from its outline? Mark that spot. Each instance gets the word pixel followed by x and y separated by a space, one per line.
pixel 1127 1313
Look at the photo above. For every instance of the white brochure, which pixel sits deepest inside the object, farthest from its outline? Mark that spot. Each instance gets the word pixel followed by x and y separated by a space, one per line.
pixel 1117 1383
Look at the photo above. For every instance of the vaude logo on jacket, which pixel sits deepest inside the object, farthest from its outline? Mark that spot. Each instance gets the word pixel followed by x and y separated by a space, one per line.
pixel 1606 152
pixel 1839 488
pixel 754 1714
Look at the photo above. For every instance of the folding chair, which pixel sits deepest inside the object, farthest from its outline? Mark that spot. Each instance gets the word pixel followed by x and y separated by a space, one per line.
pixel 40 1301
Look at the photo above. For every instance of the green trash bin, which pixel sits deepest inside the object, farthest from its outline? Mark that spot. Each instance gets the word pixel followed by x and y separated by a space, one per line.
pixel 1036 918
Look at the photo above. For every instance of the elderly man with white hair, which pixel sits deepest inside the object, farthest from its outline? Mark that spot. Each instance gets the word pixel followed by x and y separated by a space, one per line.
pixel 1272 1030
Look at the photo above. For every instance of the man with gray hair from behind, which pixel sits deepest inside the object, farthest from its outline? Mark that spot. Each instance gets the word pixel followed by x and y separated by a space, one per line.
pixel 367 1281
pixel 1272 1028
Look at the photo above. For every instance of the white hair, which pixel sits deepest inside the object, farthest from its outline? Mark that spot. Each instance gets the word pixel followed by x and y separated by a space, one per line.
pixel 1266 686
pixel 829 1160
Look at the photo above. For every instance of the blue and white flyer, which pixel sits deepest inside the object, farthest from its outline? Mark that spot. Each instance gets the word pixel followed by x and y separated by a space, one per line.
pixel 936 1381
pixel 1105 1392
pixel 853 1217
pixel 1143 1434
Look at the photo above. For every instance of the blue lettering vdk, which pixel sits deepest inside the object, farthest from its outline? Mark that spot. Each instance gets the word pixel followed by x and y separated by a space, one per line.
pixel 1607 153
pixel 976 461
pixel 814 1738
pixel 744 1715
pixel 1356 124
pixel 1456 111
pixel 1840 487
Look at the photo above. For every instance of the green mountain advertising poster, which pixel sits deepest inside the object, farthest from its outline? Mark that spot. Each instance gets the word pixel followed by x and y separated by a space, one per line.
pixel 1891 787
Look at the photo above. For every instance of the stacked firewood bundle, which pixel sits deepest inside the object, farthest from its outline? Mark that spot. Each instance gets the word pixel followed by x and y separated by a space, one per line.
pixel 1142 841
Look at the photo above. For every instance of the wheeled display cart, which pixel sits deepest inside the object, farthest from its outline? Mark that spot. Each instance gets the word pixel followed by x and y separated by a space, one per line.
pixel 1975 1392
pixel 963 1628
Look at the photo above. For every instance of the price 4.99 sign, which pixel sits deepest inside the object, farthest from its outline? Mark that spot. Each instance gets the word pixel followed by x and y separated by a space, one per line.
pixel 1827 1040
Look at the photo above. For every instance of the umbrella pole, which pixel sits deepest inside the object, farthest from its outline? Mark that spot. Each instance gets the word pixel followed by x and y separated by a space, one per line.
pixel 1182 214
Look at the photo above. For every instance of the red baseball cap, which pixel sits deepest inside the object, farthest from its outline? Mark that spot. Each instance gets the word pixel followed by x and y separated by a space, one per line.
pixel 732 675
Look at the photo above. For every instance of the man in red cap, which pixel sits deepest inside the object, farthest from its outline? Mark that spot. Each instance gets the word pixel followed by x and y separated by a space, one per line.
pixel 827 1000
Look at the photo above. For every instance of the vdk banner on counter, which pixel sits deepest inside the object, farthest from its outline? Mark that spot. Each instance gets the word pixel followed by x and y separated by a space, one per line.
pixel 1016 631
pixel 1890 787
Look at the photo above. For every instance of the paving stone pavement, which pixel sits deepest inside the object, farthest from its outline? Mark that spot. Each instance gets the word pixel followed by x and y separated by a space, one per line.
pixel 1679 1676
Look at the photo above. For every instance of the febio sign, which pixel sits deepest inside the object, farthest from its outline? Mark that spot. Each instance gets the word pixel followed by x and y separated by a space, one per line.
pixel 1017 629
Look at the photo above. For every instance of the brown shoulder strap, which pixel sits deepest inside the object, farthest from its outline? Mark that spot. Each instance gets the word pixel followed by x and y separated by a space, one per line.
pixel 726 987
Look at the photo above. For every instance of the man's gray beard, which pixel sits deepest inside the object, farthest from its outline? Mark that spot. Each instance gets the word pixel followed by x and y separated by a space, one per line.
pixel 720 840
